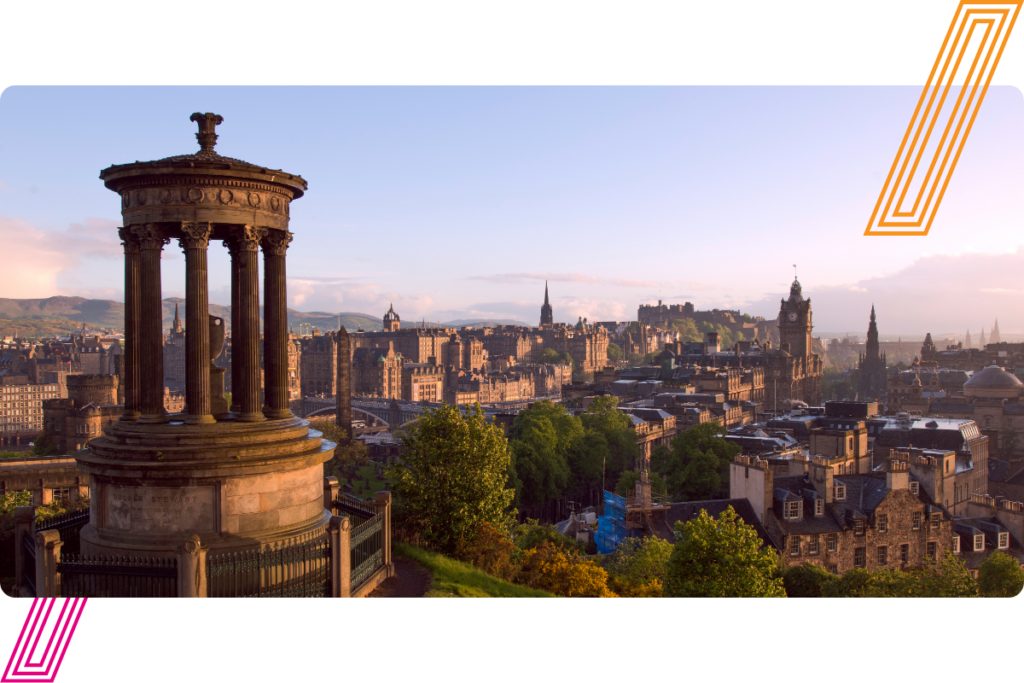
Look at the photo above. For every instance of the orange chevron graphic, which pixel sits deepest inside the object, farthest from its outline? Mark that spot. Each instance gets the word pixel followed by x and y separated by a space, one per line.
pixel 943 118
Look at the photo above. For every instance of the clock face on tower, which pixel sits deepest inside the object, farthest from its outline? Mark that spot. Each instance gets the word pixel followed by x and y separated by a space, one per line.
pixel 792 317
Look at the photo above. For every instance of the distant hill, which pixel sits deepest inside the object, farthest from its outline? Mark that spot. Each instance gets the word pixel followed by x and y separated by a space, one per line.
pixel 65 314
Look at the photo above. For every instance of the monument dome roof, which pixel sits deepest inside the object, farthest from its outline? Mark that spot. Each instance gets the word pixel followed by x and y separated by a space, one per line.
pixel 993 377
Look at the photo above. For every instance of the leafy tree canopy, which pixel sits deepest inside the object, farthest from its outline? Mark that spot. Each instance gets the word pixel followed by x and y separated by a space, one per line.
pixel 452 476
pixel 697 465
pixel 721 557
pixel 1000 576
pixel 627 483
pixel 614 352
pixel 553 357
pixel 637 568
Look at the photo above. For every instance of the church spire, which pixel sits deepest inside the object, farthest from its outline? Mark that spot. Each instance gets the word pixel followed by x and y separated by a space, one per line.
pixel 546 302
pixel 177 318
pixel 546 314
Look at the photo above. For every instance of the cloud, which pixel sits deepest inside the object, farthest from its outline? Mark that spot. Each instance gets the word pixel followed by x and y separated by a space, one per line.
pixel 941 294
pixel 519 278
pixel 43 263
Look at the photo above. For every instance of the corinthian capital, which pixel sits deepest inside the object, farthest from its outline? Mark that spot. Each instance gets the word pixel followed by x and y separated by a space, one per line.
pixel 150 236
pixel 197 235
pixel 276 242
pixel 128 240
pixel 247 237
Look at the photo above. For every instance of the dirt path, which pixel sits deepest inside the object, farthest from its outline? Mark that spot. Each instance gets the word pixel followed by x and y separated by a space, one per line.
pixel 411 580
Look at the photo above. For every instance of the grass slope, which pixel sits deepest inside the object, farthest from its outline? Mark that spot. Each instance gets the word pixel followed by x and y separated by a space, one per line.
pixel 454 579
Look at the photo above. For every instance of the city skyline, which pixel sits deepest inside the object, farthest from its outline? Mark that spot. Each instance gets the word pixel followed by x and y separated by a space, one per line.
pixel 458 203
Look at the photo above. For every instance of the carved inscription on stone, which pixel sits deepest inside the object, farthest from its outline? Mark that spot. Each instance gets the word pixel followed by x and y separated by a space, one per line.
pixel 146 509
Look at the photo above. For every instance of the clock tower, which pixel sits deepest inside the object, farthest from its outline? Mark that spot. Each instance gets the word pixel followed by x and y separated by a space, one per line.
pixel 795 322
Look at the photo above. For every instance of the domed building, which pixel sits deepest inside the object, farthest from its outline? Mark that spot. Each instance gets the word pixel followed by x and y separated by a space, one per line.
pixel 994 382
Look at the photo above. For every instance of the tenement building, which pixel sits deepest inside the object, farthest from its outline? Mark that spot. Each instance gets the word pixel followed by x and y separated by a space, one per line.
pixel 841 522
pixel 21 408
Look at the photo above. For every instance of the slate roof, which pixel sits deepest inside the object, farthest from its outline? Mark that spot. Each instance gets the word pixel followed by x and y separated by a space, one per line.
pixel 683 512
pixel 997 469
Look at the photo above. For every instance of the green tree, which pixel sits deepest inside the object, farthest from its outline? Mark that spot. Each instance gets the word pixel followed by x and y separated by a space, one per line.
pixel 452 476
pixel 697 466
pixel 628 479
pixel 721 558
pixel 614 352
pixel 806 581
pixel 946 579
pixel 637 568
pixel 688 331
pixel 616 428
pixel 1000 576
pixel 553 357
pixel 541 438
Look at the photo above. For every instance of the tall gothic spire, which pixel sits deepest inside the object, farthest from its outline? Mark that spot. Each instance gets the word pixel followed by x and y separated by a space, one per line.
pixel 177 318
pixel 546 302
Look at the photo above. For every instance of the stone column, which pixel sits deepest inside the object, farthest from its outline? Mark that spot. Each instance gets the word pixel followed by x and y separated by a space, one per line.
pixel 340 530
pixel 48 545
pixel 343 414
pixel 235 382
pixel 194 243
pixel 151 348
pixel 192 569
pixel 247 352
pixel 275 325
pixel 330 493
pixel 132 256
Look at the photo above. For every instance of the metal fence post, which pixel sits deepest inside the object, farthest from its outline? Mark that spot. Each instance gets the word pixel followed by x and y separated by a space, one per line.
pixel 48 545
pixel 23 516
pixel 330 493
pixel 383 505
pixel 192 569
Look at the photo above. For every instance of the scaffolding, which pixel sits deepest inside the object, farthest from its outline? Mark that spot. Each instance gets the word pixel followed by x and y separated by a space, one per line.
pixel 634 516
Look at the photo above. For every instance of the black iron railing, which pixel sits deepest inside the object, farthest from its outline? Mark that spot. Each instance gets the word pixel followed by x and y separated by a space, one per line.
pixel 69 525
pixel 367 542
pixel 28 554
pixel 300 570
pixel 363 509
pixel 118 577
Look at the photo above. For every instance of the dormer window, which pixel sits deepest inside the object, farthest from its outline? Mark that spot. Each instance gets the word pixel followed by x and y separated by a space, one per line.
pixel 936 518
pixel 1004 541
pixel 840 491
pixel 858 527
pixel 793 509
pixel 979 542
pixel 819 507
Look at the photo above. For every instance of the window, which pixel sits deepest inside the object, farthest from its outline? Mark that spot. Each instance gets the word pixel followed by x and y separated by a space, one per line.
pixel 883 523
pixel 794 545
pixel 832 543
pixel 833 568
pixel 859 557
pixel 979 542
pixel 858 527
pixel 936 518
pixel 883 554
pixel 956 545
pixel 840 491
pixel 812 545
pixel 917 521
pixel 819 507
pixel 793 509
pixel 904 553
pixel 62 496
pixel 1004 541
pixel 932 549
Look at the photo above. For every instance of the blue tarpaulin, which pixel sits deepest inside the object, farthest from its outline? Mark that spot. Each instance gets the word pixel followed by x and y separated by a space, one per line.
pixel 611 526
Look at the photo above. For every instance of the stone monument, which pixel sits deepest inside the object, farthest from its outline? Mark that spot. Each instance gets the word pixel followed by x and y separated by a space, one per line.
pixel 238 476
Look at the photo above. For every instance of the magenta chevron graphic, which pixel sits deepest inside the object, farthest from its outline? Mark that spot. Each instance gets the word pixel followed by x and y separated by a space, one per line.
pixel 43 640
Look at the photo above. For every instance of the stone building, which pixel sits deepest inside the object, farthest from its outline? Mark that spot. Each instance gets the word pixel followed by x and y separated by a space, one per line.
pixel 54 478
pixel 70 423
pixel 392 323
pixel 21 408
pixel 174 353
pixel 423 382
pixel 990 525
pixel 793 373
pixel 840 522
pixel 377 372
pixel 662 316
pixel 319 364
pixel 872 380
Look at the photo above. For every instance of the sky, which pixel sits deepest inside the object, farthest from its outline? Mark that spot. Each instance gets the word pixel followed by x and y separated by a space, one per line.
pixel 458 203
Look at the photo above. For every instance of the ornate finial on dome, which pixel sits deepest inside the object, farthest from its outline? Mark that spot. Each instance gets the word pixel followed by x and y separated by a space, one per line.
pixel 796 291
pixel 207 134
